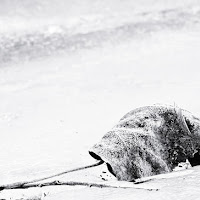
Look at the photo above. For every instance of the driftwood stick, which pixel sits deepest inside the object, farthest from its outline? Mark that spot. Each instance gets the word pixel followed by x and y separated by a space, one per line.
pixel 74 183
pixel 70 183
pixel 22 184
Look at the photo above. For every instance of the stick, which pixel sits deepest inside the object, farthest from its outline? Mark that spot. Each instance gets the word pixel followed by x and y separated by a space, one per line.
pixel 70 183
pixel 22 184
pixel 74 183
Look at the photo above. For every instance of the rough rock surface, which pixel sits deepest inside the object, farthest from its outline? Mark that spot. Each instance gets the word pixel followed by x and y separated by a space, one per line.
pixel 148 141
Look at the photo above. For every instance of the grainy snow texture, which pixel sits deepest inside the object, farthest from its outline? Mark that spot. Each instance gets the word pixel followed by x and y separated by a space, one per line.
pixel 70 69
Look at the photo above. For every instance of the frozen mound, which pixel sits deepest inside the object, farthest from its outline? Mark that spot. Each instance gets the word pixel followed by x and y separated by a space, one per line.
pixel 148 141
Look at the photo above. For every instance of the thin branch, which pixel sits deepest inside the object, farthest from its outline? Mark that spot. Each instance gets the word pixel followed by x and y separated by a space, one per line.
pixel 74 183
pixel 70 183
pixel 22 184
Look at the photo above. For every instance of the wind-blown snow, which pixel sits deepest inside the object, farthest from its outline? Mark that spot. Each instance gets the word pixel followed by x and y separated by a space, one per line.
pixel 33 29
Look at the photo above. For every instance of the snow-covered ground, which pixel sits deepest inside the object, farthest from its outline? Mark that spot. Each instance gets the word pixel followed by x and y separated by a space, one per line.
pixel 70 70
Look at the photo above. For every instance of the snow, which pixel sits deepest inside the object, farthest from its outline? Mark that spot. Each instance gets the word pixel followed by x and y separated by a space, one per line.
pixel 58 100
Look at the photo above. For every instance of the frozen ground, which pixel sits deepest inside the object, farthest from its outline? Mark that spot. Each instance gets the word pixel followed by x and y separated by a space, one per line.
pixel 66 78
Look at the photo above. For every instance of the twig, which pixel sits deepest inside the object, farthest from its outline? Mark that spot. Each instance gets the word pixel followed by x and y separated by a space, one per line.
pixel 22 184
pixel 74 183
pixel 70 183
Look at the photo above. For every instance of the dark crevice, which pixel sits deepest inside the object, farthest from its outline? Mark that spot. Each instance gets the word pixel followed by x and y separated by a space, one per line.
pixel 94 155
pixel 194 161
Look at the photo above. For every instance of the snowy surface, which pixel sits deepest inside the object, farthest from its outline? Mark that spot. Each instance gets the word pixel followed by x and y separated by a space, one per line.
pixel 70 70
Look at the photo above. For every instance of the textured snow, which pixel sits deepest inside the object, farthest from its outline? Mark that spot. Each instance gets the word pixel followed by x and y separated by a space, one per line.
pixel 70 70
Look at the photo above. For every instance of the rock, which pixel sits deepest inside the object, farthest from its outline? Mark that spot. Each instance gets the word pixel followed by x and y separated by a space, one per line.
pixel 148 141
